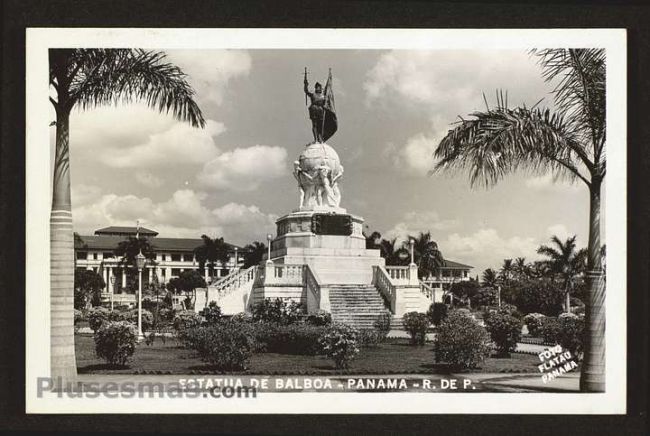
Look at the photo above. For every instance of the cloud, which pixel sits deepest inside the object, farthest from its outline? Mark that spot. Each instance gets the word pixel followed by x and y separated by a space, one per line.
pixel 487 248
pixel 210 72
pixel 149 180
pixel 551 183
pixel 244 169
pixel 413 223
pixel 184 214
pixel 180 144
pixel 440 85
pixel 84 194
pixel 416 157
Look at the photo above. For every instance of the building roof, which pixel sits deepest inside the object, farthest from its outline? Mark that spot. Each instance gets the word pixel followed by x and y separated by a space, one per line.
pixel 110 242
pixel 450 264
pixel 125 230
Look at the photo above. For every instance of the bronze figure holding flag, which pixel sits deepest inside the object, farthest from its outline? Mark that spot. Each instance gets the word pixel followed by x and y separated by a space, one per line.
pixel 321 110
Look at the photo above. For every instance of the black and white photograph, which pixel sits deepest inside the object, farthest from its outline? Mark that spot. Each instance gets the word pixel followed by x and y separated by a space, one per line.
pixel 360 221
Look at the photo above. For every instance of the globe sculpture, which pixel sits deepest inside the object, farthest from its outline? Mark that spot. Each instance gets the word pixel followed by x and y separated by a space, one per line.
pixel 317 171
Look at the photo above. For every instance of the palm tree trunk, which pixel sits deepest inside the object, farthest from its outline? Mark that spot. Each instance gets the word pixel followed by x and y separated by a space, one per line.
pixel 567 302
pixel 62 352
pixel 592 378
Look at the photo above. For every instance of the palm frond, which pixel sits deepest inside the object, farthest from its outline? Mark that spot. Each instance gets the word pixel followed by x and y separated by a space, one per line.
pixel 114 76
pixel 500 140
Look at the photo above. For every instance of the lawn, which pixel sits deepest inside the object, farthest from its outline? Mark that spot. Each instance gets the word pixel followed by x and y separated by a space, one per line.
pixel 395 356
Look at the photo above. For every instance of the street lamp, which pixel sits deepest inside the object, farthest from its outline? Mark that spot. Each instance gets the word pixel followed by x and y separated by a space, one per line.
pixel 236 259
pixel 411 245
pixel 269 237
pixel 112 289
pixel 139 262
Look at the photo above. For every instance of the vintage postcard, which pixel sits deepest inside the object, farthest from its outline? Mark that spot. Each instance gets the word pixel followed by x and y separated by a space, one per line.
pixel 326 221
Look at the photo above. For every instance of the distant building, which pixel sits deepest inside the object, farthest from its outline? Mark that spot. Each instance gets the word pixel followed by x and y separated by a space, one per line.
pixel 173 256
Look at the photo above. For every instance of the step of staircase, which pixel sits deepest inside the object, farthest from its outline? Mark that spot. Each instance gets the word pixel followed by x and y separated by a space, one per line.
pixel 356 305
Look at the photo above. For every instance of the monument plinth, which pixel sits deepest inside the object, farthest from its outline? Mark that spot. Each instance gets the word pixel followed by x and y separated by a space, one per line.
pixel 320 232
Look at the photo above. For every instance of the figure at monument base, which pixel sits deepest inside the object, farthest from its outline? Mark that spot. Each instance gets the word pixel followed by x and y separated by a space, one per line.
pixel 318 171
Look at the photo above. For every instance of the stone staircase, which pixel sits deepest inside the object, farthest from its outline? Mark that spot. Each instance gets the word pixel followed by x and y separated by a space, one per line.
pixel 356 305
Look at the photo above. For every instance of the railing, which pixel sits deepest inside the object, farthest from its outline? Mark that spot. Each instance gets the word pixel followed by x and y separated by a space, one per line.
pixel 312 286
pixel 398 273
pixel 382 281
pixel 428 291
pixel 286 274
pixel 232 282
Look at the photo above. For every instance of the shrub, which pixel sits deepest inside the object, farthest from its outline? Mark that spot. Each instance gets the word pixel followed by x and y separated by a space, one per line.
pixel 97 316
pixel 510 309
pixel 461 342
pixel 437 313
pixel 165 314
pixel 382 324
pixel 132 317
pixel 505 331
pixel 212 313
pixel 369 337
pixel 299 339
pixel 223 345
pixel 539 295
pixel 416 324
pixel 184 322
pixel 339 342
pixel 564 315
pixel 78 317
pixel 277 311
pixel 242 317
pixel 571 334
pixel 534 323
pixel 550 329
pixel 319 318
pixel 115 341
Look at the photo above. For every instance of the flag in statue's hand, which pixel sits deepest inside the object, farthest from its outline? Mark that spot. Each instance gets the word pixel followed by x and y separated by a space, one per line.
pixel 330 123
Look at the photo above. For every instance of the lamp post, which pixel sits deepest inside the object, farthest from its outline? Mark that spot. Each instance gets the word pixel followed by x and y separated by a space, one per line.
pixel 112 290
pixel 140 261
pixel 236 259
pixel 269 237
pixel 499 295
pixel 411 245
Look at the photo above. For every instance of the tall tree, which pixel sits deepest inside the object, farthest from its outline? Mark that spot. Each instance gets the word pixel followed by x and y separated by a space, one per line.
pixel 490 278
pixel 506 271
pixel 86 78
pixel 569 142
pixel 566 263
pixel 253 253
pixel 87 286
pixel 128 249
pixel 212 251
pixel 521 268
pixel 427 255
pixel 394 254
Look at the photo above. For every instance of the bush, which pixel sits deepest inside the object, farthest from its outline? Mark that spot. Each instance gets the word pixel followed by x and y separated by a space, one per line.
pixel 505 331
pixel 382 324
pixel 115 341
pixel 97 316
pixel 534 323
pixel 550 329
pixel 340 343
pixel 212 313
pixel 369 338
pixel 319 318
pixel 184 322
pixel 461 342
pixel 299 339
pixel 437 313
pixel 165 314
pixel 539 295
pixel 416 324
pixel 277 311
pixel 242 317
pixel 571 334
pixel 223 345
pixel 132 316
pixel 78 317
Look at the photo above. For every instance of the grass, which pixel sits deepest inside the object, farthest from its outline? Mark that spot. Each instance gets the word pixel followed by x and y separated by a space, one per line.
pixel 395 356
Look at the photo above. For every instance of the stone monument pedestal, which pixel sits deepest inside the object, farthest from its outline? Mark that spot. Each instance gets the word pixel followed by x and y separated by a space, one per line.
pixel 335 258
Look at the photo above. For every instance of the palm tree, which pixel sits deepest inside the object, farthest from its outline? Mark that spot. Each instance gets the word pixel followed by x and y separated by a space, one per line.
pixel 569 142
pixel 490 278
pixel 506 271
pixel 85 79
pixel 394 254
pixel 521 268
pixel 253 253
pixel 565 262
pixel 427 255
pixel 128 249
pixel 212 251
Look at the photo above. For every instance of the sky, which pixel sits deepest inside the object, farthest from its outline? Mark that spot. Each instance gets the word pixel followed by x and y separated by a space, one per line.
pixel 233 178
